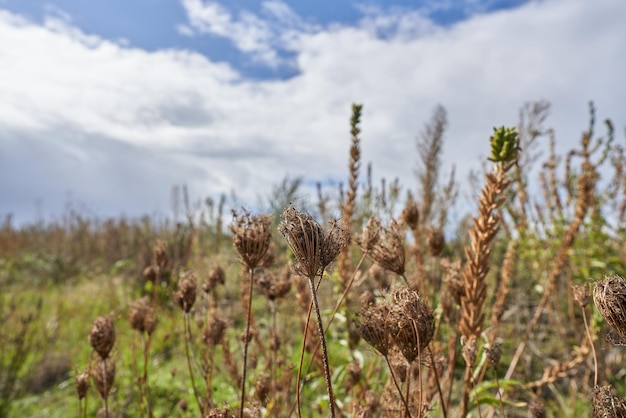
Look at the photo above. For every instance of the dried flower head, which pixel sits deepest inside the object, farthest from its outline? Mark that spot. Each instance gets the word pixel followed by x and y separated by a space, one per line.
pixel 102 335
pixel 185 296
pixel 263 388
pixel 410 214
pixel 387 249
pixel 213 333
pixel 251 237
pixel 371 235
pixel 436 242
pixel 537 408
pixel 411 323
pixel 606 403
pixel 142 317
pixel 274 286
pixel 469 351
pixel 314 250
pixel 493 355
pixel 81 381
pixel 609 296
pixel 150 273
pixel 160 254
pixel 373 327
pixel 103 375
pixel 216 276
pixel 218 413
pixel 582 295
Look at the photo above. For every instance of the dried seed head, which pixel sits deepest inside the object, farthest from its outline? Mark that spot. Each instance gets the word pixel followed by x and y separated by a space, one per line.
pixel 160 253
pixel 582 295
pixel 213 333
pixel 371 235
pixel 150 273
pixel 313 249
pixel 410 214
pixel 263 388
pixel 537 408
pixel 469 351
pixel 493 355
pixel 274 286
pixel 380 276
pixel 411 323
pixel 103 375
pixel 142 316
pixel 185 296
pixel 373 329
pixel 609 296
pixel 389 249
pixel 367 298
pixel 82 383
pixel 606 404
pixel 453 279
pixel 216 276
pixel 436 242
pixel 218 413
pixel 251 237
pixel 102 335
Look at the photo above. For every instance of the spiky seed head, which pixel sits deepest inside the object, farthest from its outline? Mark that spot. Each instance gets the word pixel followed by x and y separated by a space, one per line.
pixel 102 335
pixel 410 214
pixel 606 403
pixel 371 235
pixel 185 296
pixel 389 250
pixel 142 317
pixel 251 237
pixel 609 296
pixel 160 253
pixel 313 249
pixel 81 381
pixel 373 327
pixel 411 323
pixel 103 376
pixel 216 276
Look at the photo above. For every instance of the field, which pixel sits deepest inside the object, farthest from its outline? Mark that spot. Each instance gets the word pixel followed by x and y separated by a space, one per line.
pixel 388 311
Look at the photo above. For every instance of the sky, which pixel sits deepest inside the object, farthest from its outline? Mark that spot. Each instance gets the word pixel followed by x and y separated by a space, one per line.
pixel 106 105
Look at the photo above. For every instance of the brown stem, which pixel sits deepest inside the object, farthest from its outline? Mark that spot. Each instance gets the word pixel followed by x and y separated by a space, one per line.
pixel 191 376
pixel 395 382
pixel 246 343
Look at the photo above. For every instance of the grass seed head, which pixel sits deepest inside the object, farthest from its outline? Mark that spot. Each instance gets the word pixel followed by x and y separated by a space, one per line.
pixel 251 237
pixel 185 296
pixel 102 336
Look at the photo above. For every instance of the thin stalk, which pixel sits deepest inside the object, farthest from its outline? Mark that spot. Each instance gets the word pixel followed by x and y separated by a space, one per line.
pixel 273 352
pixel 593 349
pixel 320 329
pixel 106 389
pixel 246 343
pixel 191 375
pixel 395 382
pixel 144 378
pixel 443 402
pixel 407 389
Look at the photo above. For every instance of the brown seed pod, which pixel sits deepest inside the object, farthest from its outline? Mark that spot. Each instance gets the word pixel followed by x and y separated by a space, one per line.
pixel 185 296
pixel 160 254
pixel 387 249
pixel 411 323
pixel 436 242
pixel 102 335
pixel 142 317
pixel 274 286
pixel 103 375
pixel 373 327
pixel 216 276
pixel 606 404
pixel 410 214
pixel 82 383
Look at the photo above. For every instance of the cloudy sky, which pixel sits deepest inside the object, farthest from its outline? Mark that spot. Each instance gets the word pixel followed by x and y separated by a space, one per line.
pixel 108 104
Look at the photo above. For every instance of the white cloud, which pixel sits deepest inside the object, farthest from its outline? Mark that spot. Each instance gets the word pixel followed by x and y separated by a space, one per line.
pixel 119 124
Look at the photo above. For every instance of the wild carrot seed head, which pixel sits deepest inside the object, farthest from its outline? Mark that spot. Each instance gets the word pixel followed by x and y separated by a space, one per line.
pixel 609 296
pixel 185 296
pixel 102 335
pixel 216 276
pixel 251 237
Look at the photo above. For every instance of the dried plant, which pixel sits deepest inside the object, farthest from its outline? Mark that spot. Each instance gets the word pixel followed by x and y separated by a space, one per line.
pixel 384 246
pixel 314 251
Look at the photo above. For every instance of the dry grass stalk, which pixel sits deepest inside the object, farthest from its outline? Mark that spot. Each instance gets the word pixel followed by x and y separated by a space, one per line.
pixel 347 217
pixel 503 289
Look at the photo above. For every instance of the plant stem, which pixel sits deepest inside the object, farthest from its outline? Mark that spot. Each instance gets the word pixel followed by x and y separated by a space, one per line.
pixel 193 381
pixel 395 382
pixel 320 329
pixel 246 343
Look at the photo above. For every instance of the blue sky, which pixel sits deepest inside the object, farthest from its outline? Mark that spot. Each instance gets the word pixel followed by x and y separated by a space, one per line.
pixel 108 104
